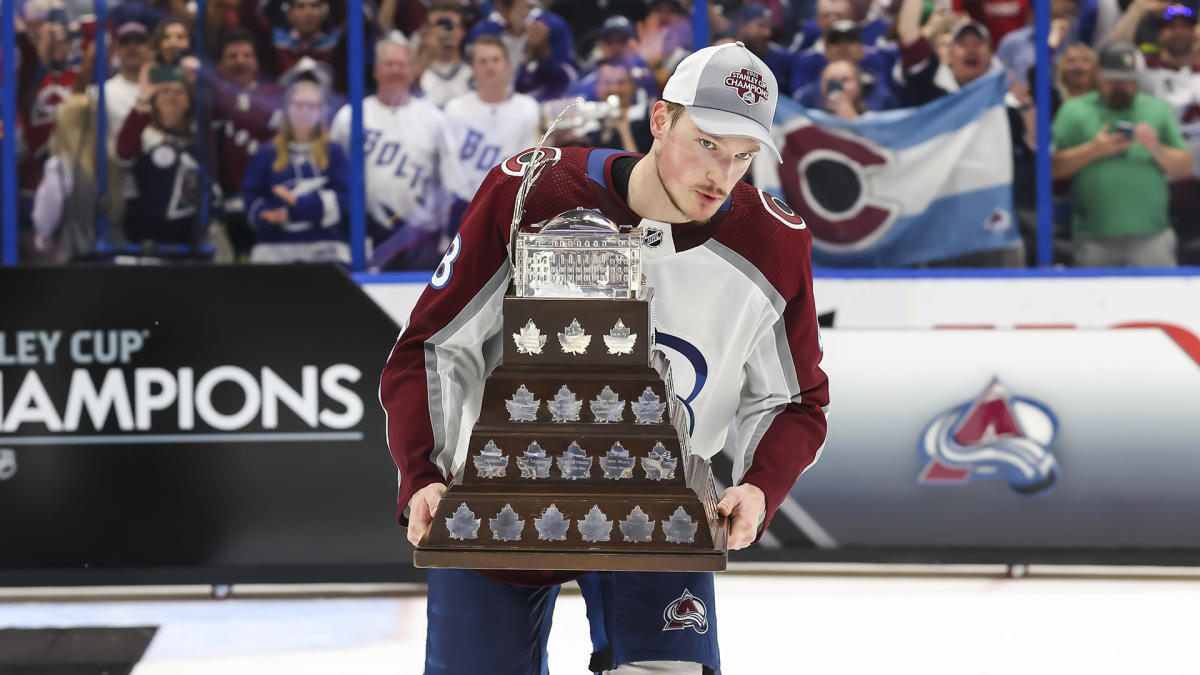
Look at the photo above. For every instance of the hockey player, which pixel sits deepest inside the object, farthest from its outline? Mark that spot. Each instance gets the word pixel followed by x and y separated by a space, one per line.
pixel 486 126
pixel 734 315
pixel 401 152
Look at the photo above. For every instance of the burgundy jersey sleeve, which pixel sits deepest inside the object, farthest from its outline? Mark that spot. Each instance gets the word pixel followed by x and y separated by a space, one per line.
pixel 432 384
pixel 781 417
pixel 795 435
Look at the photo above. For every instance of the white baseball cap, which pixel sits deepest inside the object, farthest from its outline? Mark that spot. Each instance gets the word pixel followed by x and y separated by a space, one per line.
pixel 727 91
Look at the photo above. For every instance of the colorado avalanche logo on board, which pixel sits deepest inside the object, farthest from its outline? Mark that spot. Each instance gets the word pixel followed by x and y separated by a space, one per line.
pixel 515 165
pixel 748 84
pixel 997 435
pixel 686 611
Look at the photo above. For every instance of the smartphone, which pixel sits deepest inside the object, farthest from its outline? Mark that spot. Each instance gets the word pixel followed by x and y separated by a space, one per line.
pixel 832 86
pixel 160 74
pixel 1125 128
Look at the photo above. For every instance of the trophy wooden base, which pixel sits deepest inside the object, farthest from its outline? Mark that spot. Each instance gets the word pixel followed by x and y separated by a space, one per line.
pixel 706 552
pixel 670 527
pixel 571 464
pixel 713 561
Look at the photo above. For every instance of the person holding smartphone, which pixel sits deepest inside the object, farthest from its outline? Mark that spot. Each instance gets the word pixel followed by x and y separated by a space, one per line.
pixel 841 89
pixel 1119 148
pixel 442 73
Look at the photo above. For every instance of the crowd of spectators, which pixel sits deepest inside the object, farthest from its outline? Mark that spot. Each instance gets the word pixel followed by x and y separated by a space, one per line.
pixel 256 168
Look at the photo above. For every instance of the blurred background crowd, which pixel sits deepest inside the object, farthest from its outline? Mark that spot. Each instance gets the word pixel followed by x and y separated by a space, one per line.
pixel 227 124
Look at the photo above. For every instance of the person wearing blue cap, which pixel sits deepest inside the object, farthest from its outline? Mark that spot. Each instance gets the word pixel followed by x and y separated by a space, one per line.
pixel 540 46
pixel 615 46
pixel 844 42
pixel 751 25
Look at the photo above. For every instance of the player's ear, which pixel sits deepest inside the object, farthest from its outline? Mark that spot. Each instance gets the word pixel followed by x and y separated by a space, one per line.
pixel 659 119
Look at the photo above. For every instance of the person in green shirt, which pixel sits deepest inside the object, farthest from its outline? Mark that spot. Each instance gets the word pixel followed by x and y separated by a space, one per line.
pixel 1120 148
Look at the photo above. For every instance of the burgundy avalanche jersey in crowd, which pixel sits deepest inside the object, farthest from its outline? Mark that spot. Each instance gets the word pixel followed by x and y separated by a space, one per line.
pixel 290 48
pixel 734 316
pixel 39 93
pixel 51 92
pixel 242 120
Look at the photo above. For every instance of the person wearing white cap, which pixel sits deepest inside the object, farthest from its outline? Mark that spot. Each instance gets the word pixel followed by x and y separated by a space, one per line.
pixel 121 90
pixel 734 316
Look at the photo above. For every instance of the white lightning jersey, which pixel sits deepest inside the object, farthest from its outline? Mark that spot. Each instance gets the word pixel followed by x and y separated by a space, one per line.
pixel 401 153
pixel 480 135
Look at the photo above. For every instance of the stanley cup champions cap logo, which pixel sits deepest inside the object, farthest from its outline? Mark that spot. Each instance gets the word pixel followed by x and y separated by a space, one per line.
pixel 749 85
pixel 727 91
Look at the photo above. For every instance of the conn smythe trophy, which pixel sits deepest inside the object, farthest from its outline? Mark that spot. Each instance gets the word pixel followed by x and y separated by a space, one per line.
pixel 579 460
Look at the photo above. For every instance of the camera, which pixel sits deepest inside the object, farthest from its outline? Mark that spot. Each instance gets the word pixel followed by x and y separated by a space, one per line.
pixel 445 24
pixel 582 114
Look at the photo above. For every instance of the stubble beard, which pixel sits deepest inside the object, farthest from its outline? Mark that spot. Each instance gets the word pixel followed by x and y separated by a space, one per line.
pixel 671 197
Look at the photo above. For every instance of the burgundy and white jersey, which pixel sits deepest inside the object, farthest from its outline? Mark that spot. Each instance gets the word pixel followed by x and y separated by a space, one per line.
pixel 52 90
pixel 242 119
pixel 734 317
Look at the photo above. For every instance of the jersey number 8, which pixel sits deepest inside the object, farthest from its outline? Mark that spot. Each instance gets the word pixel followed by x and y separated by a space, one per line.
pixel 441 276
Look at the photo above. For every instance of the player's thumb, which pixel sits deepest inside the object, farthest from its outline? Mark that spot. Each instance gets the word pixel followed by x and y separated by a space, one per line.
pixel 728 503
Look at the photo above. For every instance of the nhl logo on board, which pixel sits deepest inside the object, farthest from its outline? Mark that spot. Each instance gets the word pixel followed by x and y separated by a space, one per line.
pixel 686 611
pixel 748 84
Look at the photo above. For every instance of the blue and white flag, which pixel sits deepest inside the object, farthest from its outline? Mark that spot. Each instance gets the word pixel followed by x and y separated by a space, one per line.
pixel 899 187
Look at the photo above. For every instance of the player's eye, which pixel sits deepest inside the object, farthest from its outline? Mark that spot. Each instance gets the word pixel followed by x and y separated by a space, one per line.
pixel 745 155
pixel 707 144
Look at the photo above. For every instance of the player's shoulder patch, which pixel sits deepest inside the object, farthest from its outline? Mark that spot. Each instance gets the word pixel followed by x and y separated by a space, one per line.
pixel 780 210
pixel 516 165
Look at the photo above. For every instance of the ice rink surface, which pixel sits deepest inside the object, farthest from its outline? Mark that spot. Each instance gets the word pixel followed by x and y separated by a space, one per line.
pixel 827 621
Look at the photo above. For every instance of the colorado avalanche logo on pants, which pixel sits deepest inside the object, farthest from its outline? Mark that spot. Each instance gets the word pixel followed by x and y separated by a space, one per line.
pixel 684 611
pixel 995 436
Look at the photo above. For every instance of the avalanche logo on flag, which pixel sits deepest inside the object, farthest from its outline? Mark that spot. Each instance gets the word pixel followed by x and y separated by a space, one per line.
pixel 995 436
pixel 684 611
